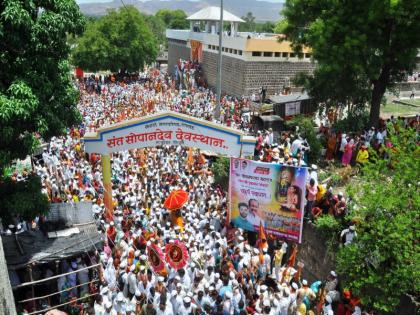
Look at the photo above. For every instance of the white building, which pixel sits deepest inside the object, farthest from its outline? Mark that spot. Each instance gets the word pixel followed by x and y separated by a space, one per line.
pixel 250 60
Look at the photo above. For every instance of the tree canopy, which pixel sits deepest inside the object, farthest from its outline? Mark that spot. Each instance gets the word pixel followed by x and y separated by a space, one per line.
pixel 383 262
pixel 36 92
pixel 362 47
pixel 119 41
pixel 158 28
pixel 174 19
pixel 266 27
pixel 249 25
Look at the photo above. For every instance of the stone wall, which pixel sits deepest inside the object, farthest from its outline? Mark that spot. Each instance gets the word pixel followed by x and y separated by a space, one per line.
pixel 313 253
pixel 239 77
pixel 244 78
pixel 7 302
pixel 233 72
pixel 272 75
pixel 177 49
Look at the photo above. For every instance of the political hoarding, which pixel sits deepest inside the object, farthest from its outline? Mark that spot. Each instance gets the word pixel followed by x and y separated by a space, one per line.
pixel 272 195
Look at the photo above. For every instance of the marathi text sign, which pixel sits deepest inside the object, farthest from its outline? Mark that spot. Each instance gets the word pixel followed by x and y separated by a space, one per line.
pixel 292 109
pixel 270 194
pixel 170 129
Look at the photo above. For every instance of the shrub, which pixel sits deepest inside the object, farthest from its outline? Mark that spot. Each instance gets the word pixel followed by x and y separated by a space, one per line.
pixel 220 169
pixel 355 121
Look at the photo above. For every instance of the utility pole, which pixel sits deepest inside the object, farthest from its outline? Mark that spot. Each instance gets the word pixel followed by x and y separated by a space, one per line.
pixel 219 73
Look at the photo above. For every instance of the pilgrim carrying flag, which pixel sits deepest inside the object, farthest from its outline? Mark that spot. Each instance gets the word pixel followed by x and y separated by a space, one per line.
pixel 262 238
pixel 262 242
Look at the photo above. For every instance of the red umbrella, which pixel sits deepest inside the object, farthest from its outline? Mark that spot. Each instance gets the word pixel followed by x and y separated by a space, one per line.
pixel 176 199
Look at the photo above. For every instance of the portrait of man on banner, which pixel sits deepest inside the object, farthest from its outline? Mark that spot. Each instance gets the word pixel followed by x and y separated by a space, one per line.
pixel 268 195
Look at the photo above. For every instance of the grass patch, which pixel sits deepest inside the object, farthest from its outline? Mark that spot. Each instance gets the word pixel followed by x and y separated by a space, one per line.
pixel 414 101
pixel 400 109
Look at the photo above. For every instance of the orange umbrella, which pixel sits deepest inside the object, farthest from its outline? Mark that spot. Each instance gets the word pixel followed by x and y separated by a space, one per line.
pixel 176 199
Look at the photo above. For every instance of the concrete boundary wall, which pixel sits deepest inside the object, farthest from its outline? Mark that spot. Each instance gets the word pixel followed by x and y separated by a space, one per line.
pixel 7 301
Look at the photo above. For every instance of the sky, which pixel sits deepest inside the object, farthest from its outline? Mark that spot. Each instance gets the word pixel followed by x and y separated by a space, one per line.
pixel 93 1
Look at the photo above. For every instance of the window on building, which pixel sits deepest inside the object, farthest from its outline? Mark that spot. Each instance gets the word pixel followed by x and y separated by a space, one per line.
pixel 308 55
pixel 256 54
pixel 235 51
pixel 300 55
pixel 240 52
pixel 209 46
pixel 292 55
pixel 268 54
pixel 230 50
pixel 285 55
pixel 276 54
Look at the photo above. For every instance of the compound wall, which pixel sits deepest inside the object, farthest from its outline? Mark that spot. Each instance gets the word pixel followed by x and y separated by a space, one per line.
pixel 240 77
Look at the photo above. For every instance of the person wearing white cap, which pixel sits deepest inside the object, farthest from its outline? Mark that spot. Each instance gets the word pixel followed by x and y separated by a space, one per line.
pixel 284 302
pixel 313 174
pixel 136 298
pixel 120 303
pixel 306 292
pixel 187 307
pixel 98 306
pixel 164 307
pixel 347 235
pixel 255 258
pixel 185 279
pixel 332 282
pixel 132 281
pixel 109 310
pixel 267 309
pixel 265 265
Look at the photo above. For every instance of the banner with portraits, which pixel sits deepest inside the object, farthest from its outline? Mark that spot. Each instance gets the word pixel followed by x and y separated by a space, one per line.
pixel 270 194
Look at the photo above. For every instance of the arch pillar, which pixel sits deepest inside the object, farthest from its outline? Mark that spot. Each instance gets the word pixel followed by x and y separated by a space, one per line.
pixel 106 173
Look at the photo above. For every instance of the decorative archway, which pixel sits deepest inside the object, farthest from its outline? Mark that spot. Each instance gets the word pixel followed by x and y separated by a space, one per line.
pixel 165 128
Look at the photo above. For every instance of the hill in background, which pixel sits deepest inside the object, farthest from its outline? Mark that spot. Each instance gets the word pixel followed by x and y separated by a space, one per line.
pixel 262 10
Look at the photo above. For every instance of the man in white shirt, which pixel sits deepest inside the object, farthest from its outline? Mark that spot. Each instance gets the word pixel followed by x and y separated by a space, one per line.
pixel 98 306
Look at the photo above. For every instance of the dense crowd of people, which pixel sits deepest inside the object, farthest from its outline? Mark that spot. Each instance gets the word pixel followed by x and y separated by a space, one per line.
pixel 228 272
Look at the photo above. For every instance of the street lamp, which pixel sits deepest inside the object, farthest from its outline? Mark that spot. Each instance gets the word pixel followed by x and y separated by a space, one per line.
pixel 219 73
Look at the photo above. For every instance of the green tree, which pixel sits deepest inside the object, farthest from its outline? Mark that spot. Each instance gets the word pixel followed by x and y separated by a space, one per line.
pixel 249 25
pixel 158 28
pixel 174 19
pixel 280 26
pixel 36 91
pixel 362 47
pixel 267 27
pixel 23 198
pixel 220 169
pixel 383 262
pixel 120 41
